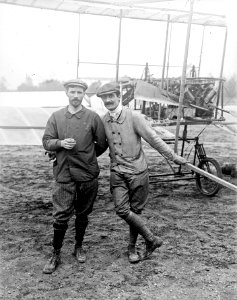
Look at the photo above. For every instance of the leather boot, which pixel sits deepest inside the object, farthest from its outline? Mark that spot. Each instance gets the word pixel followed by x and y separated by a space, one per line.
pixel 133 256
pixel 53 262
pixel 80 254
pixel 152 242
pixel 152 246
pixel 55 259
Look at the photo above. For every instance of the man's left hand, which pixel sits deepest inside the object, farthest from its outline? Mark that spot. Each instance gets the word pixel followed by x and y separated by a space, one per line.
pixel 179 160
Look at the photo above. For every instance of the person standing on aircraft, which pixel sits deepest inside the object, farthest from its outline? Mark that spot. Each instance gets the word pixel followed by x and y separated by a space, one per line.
pixel 77 136
pixel 129 173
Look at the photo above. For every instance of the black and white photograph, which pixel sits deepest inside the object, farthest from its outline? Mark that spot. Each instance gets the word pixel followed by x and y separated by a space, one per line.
pixel 118 150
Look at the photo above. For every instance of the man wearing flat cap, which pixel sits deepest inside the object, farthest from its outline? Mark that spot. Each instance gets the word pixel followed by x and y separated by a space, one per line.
pixel 77 136
pixel 129 174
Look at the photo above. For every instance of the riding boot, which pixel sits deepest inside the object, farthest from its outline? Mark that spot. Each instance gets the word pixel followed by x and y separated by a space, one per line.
pixel 55 259
pixel 152 242
pixel 133 256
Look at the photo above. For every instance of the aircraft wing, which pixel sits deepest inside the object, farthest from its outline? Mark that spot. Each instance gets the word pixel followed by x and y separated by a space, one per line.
pixel 230 128
pixel 148 92
pixel 230 123
pixel 134 9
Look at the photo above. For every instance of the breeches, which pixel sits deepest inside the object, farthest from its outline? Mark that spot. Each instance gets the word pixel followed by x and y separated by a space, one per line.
pixel 73 196
pixel 129 192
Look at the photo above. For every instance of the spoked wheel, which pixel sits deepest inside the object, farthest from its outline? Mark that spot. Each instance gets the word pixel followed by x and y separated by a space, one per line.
pixel 205 185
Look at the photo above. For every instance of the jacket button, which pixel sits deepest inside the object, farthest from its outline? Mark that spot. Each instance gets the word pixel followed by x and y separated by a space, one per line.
pixel 113 132
pixel 118 132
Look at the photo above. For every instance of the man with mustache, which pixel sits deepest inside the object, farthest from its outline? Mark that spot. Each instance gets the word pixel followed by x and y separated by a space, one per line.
pixel 77 136
pixel 129 174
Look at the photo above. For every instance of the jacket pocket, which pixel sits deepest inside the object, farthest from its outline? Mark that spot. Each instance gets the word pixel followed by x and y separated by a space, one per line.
pixel 83 166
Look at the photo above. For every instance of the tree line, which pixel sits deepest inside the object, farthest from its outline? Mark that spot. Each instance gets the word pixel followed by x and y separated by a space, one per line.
pixel 28 86
pixel 230 86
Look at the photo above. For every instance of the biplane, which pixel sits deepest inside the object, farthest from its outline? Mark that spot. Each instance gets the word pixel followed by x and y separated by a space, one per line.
pixel 166 101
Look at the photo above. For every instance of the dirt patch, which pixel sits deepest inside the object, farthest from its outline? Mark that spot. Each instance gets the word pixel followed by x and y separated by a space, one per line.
pixel 197 260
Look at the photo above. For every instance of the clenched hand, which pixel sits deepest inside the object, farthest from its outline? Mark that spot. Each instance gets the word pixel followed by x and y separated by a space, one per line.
pixel 179 160
pixel 68 143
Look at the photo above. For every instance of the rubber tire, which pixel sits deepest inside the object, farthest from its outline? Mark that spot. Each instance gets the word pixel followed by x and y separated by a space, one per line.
pixel 205 185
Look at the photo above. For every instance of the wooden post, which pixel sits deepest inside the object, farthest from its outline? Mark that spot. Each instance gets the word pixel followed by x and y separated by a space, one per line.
pixel 78 44
pixel 119 44
pixel 165 50
pixel 222 98
pixel 200 59
pixel 183 79
pixel 146 79
pixel 147 72
pixel 221 73
pixel 159 112
pixel 168 60
pixel 121 92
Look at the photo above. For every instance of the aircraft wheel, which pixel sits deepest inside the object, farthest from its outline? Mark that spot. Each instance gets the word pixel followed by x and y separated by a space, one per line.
pixel 205 185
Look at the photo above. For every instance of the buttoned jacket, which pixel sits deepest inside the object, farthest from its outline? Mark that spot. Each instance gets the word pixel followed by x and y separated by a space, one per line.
pixel 79 163
pixel 125 141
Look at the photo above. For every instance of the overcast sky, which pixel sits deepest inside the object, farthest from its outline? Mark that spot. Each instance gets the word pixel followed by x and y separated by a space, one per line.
pixel 43 44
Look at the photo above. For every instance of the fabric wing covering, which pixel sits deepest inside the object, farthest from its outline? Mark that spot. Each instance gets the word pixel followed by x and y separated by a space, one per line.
pixel 148 92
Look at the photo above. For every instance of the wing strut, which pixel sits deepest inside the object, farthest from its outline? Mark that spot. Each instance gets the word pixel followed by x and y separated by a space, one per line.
pixel 181 97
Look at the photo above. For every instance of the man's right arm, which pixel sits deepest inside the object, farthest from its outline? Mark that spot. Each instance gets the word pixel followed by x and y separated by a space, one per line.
pixel 144 129
pixel 50 138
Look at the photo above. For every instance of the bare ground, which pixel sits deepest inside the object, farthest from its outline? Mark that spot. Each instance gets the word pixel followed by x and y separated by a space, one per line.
pixel 197 260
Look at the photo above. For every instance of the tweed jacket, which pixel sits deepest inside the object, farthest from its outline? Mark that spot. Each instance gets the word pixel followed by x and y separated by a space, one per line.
pixel 124 138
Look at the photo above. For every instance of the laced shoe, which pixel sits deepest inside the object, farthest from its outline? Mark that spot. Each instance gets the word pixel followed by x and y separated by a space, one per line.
pixel 80 254
pixel 53 263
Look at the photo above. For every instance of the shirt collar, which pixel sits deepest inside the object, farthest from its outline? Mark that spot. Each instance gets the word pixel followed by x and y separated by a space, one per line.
pixel 116 112
pixel 120 119
pixel 69 115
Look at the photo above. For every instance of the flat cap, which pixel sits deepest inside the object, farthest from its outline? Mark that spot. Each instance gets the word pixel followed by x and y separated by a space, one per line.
pixel 75 82
pixel 108 88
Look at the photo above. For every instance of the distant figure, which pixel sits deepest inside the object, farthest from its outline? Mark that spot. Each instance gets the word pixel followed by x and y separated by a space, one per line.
pixel 129 176
pixel 77 136
pixel 193 72
pixel 155 111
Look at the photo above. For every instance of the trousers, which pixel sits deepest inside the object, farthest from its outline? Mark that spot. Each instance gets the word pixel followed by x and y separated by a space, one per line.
pixel 73 197
pixel 129 192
